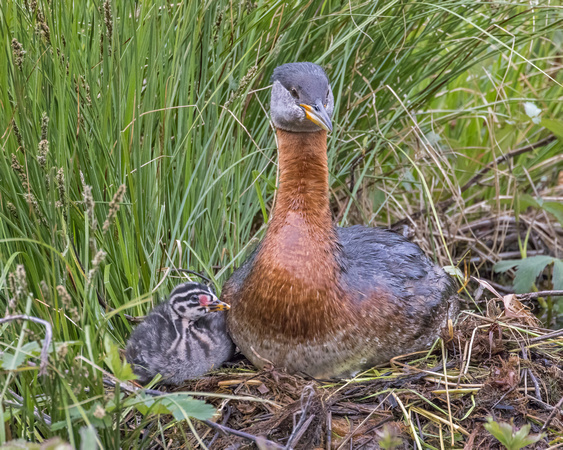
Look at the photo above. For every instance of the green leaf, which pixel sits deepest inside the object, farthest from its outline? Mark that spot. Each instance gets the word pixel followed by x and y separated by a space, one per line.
pixel 504 266
pixel 527 272
pixel 555 126
pixel 508 436
pixel 19 444
pixel 88 438
pixel 55 443
pixel 121 369
pixel 557 279
pixel 182 406
pixel 554 208
pixel 12 361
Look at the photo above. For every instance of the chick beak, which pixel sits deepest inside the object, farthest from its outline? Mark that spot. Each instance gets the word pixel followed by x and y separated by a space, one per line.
pixel 318 115
pixel 218 305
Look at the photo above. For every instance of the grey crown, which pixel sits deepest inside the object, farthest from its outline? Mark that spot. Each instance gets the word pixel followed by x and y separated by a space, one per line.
pixel 180 339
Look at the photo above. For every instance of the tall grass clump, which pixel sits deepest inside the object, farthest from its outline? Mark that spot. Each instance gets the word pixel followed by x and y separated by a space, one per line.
pixel 135 137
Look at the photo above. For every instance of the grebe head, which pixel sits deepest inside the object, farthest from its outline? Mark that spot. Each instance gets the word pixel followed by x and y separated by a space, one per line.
pixel 302 99
pixel 194 300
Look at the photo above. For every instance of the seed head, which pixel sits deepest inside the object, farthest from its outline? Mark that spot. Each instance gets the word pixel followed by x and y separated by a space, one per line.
pixel 114 207
pixel 99 412
pixel 43 149
pixel 44 125
pixel 61 185
pixel 244 82
pixel 13 211
pixel 64 296
pixel 18 168
pixel 18 52
pixel 98 259
pixel 18 135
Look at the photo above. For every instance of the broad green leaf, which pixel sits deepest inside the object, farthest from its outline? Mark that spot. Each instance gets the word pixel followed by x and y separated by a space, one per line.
pixel 557 274
pixel 508 436
pixel 554 208
pixel 121 369
pixel 503 266
pixel 14 360
pixel 88 438
pixel 555 126
pixel 528 270
pixel 182 406
pixel 147 404
pixel 55 443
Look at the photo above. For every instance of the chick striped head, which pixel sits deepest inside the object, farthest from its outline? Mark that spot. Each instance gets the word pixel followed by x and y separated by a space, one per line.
pixel 193 300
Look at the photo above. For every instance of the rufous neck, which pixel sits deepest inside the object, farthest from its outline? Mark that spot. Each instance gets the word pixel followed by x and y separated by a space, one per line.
pixel 303 184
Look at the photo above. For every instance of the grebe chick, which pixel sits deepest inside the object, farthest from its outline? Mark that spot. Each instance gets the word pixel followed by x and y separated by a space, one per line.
pixel 182 338
pixel 315 298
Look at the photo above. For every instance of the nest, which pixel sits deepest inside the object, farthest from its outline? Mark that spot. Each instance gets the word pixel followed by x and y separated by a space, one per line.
pixel 498 364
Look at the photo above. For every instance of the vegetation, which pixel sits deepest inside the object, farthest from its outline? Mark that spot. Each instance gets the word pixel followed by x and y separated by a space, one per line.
pixel 135 138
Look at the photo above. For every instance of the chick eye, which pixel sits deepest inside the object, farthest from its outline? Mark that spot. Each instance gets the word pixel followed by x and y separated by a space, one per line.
pixel 294 93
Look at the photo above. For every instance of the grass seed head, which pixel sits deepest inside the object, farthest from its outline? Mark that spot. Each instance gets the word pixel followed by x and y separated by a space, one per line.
pixel 44 125
pixel 41 27
pixel 18 52
pixel 20 172
pixel 114 207
pixel 108 20
pixel 43 149
pixel 61 185
pixel 64 296
pixel 89 205
pixel 33 203
pixel 13 211
pixel 98 259
pixel 244 82
pixel 67 302
pixel 21 282
pixel 13 300
pixel 18 135
pixel 45 292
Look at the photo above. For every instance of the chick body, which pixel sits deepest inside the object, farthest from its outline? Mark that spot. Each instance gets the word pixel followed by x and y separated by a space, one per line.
pixel 183 338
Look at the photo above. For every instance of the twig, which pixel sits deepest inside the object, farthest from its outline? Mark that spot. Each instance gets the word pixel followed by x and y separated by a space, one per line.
pixel 224 422
pixel 172 269
pixel 351 434
pixel 553 335
pixel 329 430
pixel 445 204
pixel 44 356
pixel 19 403
pixel 305 404
pixel 555 410
pixel 531 295
pixel 529 371
pixel 226 431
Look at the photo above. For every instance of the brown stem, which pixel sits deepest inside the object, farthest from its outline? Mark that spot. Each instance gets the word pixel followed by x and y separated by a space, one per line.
pixel 531 295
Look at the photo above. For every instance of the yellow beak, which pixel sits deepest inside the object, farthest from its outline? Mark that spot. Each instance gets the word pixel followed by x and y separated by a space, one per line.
pixel 318 115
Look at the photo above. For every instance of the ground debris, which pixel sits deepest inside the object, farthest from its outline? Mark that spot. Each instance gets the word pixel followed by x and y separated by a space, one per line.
pixel 490 369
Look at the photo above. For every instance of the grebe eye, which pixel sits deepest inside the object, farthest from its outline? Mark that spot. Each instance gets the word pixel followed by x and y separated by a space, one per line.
pixel 294 93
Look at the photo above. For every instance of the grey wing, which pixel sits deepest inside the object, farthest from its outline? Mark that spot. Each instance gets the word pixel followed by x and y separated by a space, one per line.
pixel 375 259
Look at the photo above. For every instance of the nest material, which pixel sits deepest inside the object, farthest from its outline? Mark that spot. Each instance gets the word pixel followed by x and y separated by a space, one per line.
pixel 498 364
